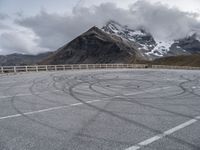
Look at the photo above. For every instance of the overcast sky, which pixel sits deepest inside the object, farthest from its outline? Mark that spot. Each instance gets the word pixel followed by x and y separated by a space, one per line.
pixel 35 26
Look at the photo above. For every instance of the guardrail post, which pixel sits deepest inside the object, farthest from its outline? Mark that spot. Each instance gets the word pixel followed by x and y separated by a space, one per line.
pixel 46 68
pixel 14 68
pixel 26 69
pixel 36 68
pixel 63 67
pixel 55 68
pixel 2 70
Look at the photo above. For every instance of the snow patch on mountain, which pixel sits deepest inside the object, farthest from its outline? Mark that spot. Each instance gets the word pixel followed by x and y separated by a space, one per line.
pixel 137 33
pixel 198 38
pixel 195 35
pixel 161 48
pixel 114 29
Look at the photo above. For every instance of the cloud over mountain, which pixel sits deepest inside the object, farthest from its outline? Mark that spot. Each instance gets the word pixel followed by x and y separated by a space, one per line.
pixel 163 22
pixel 20 42
pixel 3 16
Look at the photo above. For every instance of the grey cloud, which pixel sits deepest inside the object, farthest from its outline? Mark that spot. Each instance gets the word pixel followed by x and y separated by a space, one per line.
pixel 3 16
pixel 164 23
pixel 9 41
pixel 55 30
pixel 18 42
pixel 19 13
pixel 4 26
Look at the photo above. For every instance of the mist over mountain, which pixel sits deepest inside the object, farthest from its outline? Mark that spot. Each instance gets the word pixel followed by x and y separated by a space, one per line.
pixel 47 31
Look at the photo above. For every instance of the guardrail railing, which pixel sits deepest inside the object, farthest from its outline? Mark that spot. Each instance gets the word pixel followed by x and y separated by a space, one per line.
pixel 38 68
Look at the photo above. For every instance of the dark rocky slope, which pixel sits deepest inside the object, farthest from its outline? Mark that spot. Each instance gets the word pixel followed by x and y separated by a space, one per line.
pixel 94 46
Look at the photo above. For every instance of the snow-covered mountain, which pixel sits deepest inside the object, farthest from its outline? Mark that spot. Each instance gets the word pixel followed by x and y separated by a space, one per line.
pixel 143 39
pixel 151 47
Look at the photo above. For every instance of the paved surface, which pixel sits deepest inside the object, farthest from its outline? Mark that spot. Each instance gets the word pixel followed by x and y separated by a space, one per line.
pixel 100 110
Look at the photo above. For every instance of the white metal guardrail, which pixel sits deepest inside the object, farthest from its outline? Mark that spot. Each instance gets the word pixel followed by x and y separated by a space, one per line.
pixel 38 68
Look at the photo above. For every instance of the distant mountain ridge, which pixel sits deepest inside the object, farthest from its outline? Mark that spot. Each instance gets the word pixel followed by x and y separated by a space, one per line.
pixel 21 59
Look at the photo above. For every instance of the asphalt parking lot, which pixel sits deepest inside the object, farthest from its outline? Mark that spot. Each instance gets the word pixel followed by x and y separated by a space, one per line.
pixel 125 109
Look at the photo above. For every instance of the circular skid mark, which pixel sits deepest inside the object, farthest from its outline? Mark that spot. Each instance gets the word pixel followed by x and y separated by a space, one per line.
pixel 117 87
pixel 130 121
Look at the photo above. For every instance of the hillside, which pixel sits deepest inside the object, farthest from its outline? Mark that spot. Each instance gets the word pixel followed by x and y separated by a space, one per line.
pixel 186 60
pixel 20 59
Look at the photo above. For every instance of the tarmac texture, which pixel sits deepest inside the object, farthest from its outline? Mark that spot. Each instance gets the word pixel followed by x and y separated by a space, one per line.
pixel 119 109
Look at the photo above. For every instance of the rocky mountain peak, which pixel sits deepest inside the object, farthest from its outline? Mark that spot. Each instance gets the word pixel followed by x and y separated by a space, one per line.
pixel 95 29
pixel 154 48
pixel 139 37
